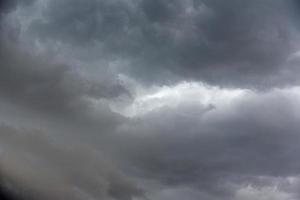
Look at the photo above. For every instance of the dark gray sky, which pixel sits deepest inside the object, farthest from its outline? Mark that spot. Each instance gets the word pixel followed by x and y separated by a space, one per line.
pixel 150 99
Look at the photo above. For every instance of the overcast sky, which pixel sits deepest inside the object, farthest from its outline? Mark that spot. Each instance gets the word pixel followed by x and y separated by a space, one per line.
pixel 150 99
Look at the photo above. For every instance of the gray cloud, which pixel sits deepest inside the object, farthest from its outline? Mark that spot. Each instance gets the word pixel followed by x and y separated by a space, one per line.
pixel 6 5
pixel 39 94
pixel 21 74
pixel 58 91
pixel 233 43
pixel 66 134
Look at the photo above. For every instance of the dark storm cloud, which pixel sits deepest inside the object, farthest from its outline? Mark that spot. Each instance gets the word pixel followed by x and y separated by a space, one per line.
pixel 198 151
pixel 6 6
pixel 233 43
pixel 56 90
pixel 33 80
pixel 9 5
pixel 30 164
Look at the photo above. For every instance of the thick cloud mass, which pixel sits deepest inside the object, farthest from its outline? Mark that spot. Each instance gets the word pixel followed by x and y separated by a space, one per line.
pixel 233 43
pixel 149 100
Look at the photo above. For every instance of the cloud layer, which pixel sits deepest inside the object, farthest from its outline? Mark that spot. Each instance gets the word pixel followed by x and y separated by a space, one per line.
pixel 140 100
pixel 232 43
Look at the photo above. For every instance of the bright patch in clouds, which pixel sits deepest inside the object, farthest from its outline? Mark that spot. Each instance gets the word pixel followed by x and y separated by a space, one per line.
pixel 148 100
pixel 264 193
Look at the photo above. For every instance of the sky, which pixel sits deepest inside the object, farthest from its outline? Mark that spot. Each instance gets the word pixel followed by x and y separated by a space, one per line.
pixel 149 99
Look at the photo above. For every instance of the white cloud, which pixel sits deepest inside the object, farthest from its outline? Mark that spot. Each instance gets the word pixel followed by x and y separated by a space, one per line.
pixel 189 93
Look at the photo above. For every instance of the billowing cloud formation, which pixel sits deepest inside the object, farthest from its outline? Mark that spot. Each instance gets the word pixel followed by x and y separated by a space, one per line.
pixel 58 90
pixel 233 43
pixel 161 99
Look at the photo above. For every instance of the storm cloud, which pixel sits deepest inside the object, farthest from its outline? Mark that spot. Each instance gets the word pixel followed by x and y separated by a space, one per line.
pixel 140 100
pixel 232 43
